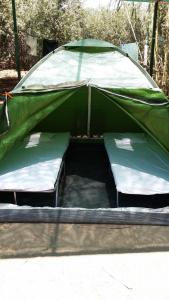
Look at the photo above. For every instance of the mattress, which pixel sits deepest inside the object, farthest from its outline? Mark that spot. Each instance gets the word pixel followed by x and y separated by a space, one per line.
pixel 33 165
pixel 138 164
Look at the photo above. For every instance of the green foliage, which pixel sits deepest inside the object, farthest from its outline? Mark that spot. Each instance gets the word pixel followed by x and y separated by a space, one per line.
pixel 66 20
pixel 6 37
pixel 58 20
pixel 5 18
pixel 107 25
pixel 162 49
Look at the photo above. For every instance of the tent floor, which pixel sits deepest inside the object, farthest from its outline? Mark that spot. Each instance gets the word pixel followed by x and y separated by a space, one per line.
pixel 88 184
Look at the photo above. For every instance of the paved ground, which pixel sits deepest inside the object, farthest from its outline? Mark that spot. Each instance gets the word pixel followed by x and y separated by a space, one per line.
pixel 114 276
pixel 9 79
pixel 10 74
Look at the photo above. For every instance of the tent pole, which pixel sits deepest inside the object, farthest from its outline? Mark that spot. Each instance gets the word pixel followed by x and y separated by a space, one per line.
pixel 17 50
pixel 153 37
pixel 89 111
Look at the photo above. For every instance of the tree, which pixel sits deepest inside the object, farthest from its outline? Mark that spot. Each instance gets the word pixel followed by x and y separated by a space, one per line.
pixel 66 20
pixel 6 37
pixel 162 49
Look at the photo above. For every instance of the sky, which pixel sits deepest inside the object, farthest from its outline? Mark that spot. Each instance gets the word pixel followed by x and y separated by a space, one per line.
pixel 97 3
pixel 105 3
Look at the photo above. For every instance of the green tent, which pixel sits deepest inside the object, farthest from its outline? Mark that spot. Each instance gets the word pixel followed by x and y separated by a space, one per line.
pixel 86 87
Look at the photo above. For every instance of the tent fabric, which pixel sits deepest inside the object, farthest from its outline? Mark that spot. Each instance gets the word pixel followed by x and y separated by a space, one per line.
pixel 149 110
pixel 93 43
pixel 102 69
pixel 54 96
pixel 37 159
pixel 4 116
pixel 25 111
pixel 132 49
pixel 139 165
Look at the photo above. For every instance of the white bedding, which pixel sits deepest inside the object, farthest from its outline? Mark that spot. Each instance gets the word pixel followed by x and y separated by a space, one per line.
pixel 33 165
pixel 138 164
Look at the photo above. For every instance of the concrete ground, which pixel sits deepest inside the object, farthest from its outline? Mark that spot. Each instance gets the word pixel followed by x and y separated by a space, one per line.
pixel 10 73
pixel 142 276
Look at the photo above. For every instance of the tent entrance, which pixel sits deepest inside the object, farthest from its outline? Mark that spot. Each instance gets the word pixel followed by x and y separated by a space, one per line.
pixel 88 182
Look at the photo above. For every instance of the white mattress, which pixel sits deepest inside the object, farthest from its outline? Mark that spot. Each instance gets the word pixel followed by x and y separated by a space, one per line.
pixel 138 164
pixel 33 165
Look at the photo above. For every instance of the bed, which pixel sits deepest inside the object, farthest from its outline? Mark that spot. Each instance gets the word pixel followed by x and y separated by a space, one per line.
pixel 34 164
pixel 138 164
